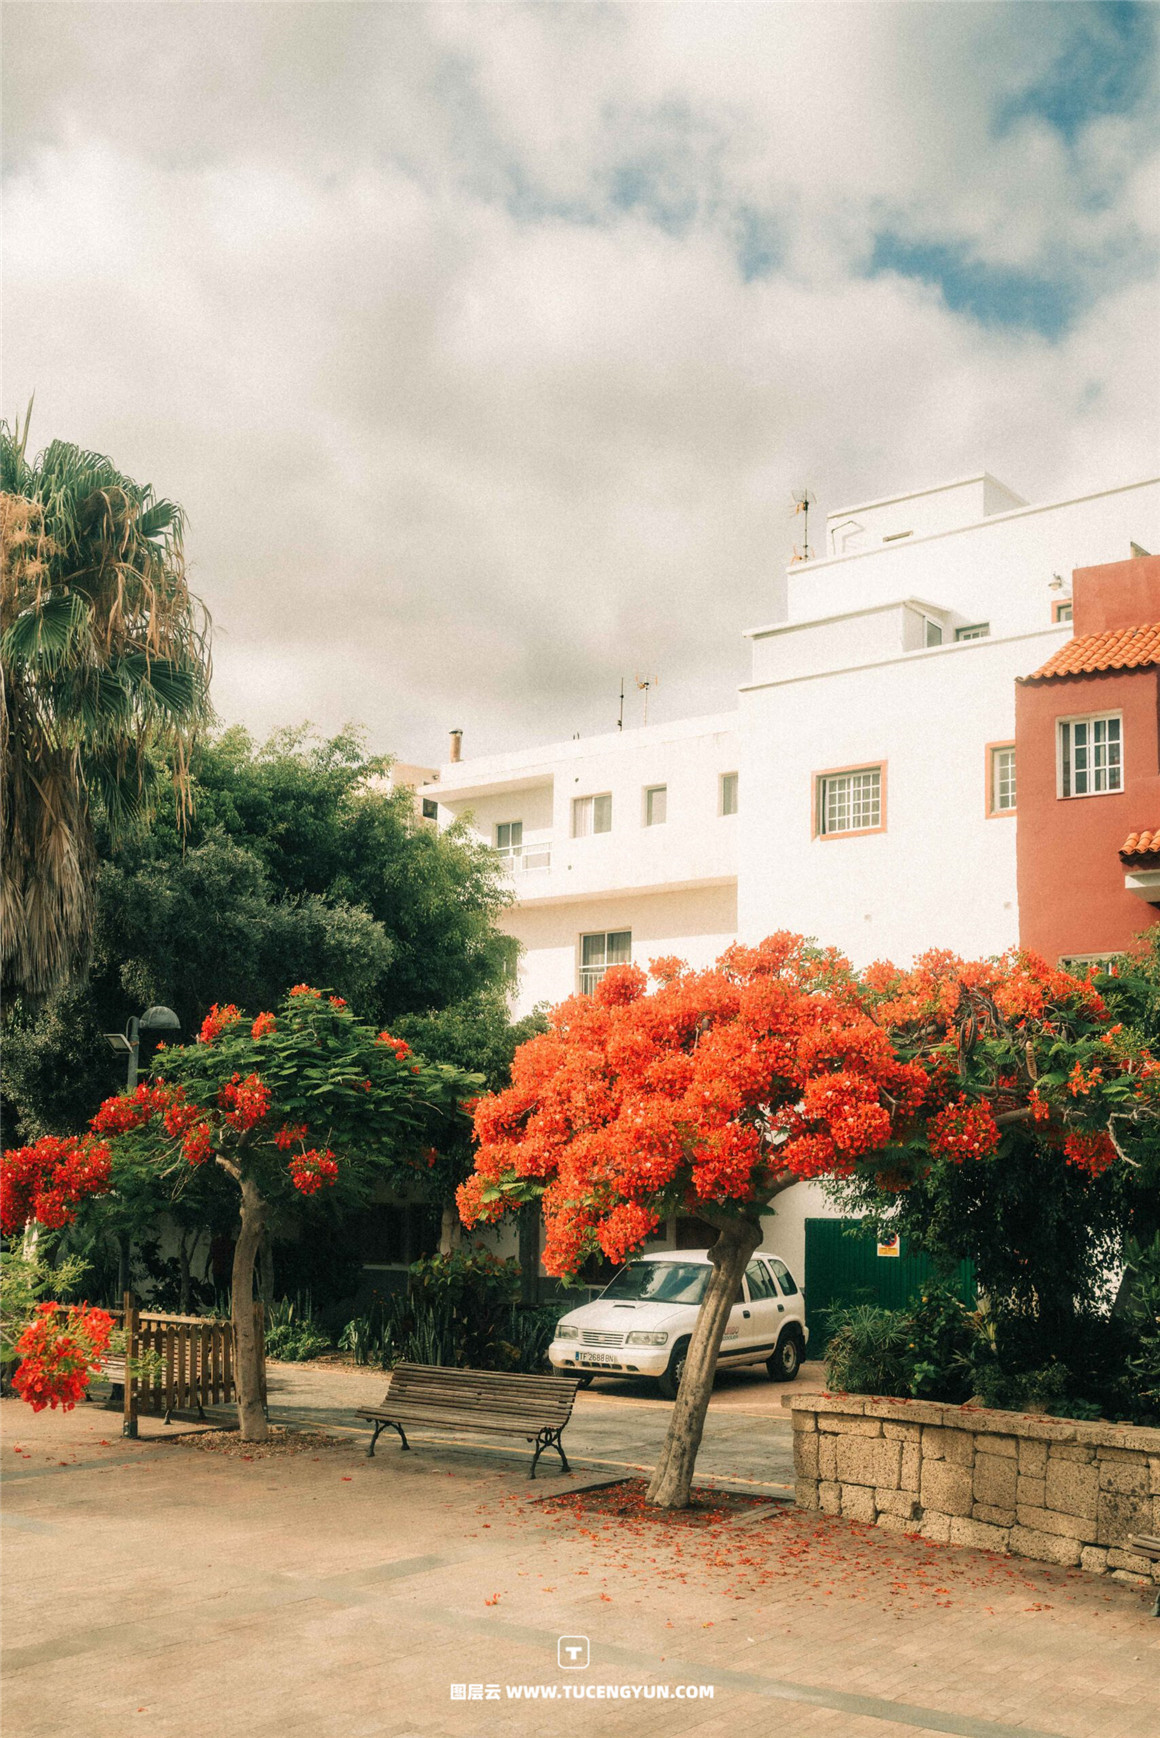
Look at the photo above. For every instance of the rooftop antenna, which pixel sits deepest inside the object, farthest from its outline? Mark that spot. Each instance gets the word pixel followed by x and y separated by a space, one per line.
pixel 802 502
pixel 620 715
pixel 644 683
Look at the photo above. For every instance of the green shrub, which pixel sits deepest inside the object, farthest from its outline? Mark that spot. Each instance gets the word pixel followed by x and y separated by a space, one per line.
pixel 866 1351
pixel 292 1333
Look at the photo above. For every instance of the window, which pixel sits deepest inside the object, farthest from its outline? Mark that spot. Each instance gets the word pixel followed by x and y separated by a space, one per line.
pixel 656 801
pixel 849 802
pixel 728 799
pixel 598 952
pixel 1001 778
pixel 509 838
pixel 430 809
pixel 760 1284
pixel 934 633
pixel 784 1277
pixel 591 815
pixel 1085 965
pixel 1091 759
pixel 976 631
pixel 1061 610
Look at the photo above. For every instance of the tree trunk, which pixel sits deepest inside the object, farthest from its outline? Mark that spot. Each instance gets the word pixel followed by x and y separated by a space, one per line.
pixel 266 1269
pixel 450 1229
pixel 252 1425
pixel 122 1266
pixel 672 1481
pixel 186 1244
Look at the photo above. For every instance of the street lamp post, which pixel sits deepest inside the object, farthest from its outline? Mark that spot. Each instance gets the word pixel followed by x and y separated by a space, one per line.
pixel 154 1019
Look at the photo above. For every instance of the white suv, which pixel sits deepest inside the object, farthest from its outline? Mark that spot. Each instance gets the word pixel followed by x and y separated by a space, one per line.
pixel 642 1322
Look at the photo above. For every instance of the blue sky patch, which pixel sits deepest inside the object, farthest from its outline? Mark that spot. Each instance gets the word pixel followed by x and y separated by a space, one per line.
pixel 1105 66
pixel 992 295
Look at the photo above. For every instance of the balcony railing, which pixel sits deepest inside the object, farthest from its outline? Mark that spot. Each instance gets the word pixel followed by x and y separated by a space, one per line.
pixel 525 859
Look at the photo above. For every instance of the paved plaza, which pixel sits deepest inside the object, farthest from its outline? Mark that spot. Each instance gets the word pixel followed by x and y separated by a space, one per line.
pixel 167 1590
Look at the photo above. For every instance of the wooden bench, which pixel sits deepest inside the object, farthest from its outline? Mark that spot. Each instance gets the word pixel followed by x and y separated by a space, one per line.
pixel 534 1407
pixel 1146 1545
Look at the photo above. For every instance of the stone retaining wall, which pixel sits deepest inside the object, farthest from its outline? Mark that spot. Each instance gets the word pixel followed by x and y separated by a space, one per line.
pixel 1055 1489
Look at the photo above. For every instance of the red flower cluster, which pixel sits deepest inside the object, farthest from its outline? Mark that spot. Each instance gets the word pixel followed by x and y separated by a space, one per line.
pixel 288 1134
pixel 306 990
pixel 197 1147
pixel 60 1351
pixel 216 1021
pixel 245 1102
pixel 49 1179
pixel 263 1026
pixel 130 1110
pixel 399 1045
pixel 1090 1152
pixel 337 1001
pixel 715 1087
pixel 964 1130
pixel 310 1170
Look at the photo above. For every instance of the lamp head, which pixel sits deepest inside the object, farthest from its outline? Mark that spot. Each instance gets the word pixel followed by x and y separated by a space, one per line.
pixel 158 1019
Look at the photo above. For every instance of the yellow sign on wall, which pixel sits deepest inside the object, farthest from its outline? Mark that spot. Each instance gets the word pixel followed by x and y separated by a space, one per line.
pixel 890 1246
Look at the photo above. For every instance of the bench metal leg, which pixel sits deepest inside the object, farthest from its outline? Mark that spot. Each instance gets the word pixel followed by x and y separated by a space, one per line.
pixel 548 1439
pixel 386 1425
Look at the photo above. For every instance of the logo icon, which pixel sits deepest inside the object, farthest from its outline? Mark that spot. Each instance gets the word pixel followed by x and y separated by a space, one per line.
pixel 572 1652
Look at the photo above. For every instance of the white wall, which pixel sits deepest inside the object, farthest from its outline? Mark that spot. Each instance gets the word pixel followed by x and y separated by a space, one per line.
pixel 697 924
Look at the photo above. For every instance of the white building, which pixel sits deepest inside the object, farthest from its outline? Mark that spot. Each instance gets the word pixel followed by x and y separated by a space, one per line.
pixel 862 792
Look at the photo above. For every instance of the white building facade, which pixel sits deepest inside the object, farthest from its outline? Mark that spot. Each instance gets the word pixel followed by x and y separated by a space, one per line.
pixel 863 791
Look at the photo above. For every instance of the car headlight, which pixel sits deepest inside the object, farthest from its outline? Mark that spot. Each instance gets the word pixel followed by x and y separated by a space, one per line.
pixel 647 1340
pixel 563 1333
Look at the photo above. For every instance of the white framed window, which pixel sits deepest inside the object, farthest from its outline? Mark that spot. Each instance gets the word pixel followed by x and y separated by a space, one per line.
pixel 656 805
pixel 1080 965
pixel 591 815
pixel 1091 755
pixel 430 809
pixel 1061 610
pixel 976 631
pixel 1001 778
pixel 598 952
pixel 934 632
pixel 849 801
pixel 727 803
pixel 509 838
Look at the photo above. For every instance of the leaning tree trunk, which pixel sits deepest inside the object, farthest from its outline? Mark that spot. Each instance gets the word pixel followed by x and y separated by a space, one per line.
pixel 672 1481
pixel 252 1425
pixel 450 1229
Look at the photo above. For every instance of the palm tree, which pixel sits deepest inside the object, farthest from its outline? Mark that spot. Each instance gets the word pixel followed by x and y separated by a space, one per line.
pixel 104 661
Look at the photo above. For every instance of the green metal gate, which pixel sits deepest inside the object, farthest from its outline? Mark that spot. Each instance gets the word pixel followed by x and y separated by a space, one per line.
pixel 846 1269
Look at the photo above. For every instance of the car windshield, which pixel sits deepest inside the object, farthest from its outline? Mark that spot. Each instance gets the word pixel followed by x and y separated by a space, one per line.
pixel 661 1282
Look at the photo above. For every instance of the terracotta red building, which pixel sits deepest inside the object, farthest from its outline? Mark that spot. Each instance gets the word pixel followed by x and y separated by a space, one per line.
pixel 1087 750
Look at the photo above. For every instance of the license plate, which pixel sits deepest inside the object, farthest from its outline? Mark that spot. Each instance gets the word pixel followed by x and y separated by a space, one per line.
pixel 598 1358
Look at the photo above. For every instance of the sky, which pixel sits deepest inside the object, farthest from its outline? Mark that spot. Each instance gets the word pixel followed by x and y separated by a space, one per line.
pixel 485 345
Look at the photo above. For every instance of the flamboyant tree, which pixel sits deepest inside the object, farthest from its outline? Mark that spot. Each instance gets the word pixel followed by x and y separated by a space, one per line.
pixel 718 1089
pixel 304 1098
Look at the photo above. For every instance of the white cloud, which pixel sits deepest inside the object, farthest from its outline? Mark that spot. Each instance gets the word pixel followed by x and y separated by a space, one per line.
pixel 462 436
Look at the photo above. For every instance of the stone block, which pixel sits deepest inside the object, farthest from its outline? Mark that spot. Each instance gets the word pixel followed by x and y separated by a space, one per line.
pixel 1130 1477
pixel 1074 1451
pixel 1093 1558
pixel 911 1466
pixel 937 1528
pixel 1044 1547
pixel 805 1421
pixel 1052 1521
pixel 994 1517
pixel 995 1480
pixel 805 1455
pixel 955 1446
pixel 868 1461
pixel 830 1498
pixel 805 1493
pixel 1029 1490
pixel 1121 1513
pixel 901 1432
pixel 903 1503
pixel 1032 1458
pixel 1154 1475
pixel 827 1456
pixel 978 1534
pixel 827 1405
pixel 946 1487
pixel 1129 1575
pixel 841 1426
pixel 1071 1487
pixel 1129 1560
pixel 895 1523
pixel 1004 1445
pixel 858 1504
pixel 909 1411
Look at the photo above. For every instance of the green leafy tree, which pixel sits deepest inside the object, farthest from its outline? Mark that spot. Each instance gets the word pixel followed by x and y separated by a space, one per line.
pixel 302 1099
pixel 105 659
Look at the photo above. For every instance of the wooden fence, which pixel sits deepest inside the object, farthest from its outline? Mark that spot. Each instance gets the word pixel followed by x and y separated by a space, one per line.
pixel 191 1363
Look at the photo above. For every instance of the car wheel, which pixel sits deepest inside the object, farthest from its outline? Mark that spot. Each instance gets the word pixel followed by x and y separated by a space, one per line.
pixel 787 1360
pixel 671 1380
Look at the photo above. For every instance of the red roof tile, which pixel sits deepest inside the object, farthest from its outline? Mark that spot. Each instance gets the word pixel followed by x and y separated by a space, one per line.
pixel 1143 844
pixel 1118 649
